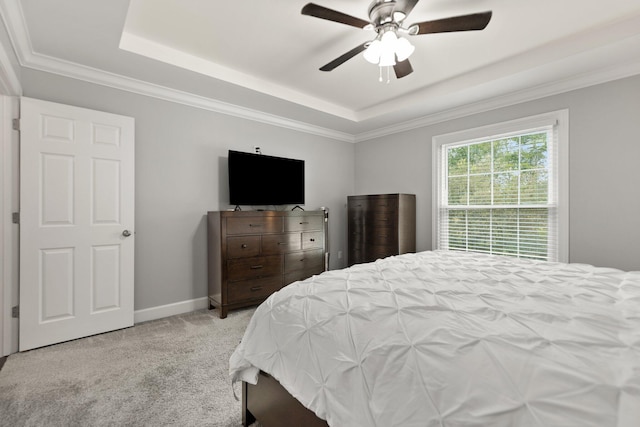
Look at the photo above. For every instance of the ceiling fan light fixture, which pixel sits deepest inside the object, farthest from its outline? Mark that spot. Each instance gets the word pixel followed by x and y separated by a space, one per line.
pixel 404 49
pixel 386 18
pixel 387 58
pixel 399 16
pixel 372 53
pixel 384 50
pixel 389 39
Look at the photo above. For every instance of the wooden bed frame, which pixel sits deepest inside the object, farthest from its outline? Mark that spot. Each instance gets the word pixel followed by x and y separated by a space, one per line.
pixel 270 404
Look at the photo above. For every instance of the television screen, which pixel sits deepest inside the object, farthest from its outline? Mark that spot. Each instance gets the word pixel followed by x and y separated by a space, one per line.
pixel 256 179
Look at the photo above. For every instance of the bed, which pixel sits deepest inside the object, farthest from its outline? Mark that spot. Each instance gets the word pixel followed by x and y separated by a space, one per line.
pixel 443 338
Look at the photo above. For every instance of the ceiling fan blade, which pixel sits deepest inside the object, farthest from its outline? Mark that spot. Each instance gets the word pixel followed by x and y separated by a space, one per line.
pixel 344 58
pixel 403 68
pixel 322 12
pixel 475 21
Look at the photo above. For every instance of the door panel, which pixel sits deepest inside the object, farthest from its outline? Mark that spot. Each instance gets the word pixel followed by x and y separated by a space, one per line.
pixel 56 284
pixel 105 278
pixel 57 189
pixel 105 193
pixel 76 199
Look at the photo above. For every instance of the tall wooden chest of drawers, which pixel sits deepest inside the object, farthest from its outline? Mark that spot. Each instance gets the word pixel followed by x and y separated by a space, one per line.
pixel 252 254
pixel 380 225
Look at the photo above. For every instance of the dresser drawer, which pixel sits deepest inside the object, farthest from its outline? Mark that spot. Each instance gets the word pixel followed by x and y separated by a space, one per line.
pixel 296 275
pixel 280 243
pixel 243 246
pixel 312 240
pixel 253 289
pixel 251 268
pixel 246 253
pixel 303 260
pixel 254 225
pixel 383 236
pixel 382 216
pixel 357 204
pixel 303 223
pixel 356 256
pixel 383 205
pixel 375 252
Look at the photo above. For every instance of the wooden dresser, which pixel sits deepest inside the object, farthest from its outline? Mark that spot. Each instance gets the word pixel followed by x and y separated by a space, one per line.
pixel 252 254
pixel 380 225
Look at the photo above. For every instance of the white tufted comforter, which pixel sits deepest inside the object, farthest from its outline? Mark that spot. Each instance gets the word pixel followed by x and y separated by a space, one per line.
pixel 454 339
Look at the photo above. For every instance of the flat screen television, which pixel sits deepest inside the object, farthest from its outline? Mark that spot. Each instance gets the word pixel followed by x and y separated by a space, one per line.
pixel 256 179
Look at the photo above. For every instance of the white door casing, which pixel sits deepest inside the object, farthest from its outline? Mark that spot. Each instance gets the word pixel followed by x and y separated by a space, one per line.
pixel 76 200
pixel 8 230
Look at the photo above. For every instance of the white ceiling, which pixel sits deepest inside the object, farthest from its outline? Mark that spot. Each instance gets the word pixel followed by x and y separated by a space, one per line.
pixel 263 56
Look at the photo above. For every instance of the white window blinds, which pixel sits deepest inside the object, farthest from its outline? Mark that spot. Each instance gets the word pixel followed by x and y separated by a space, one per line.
pixel 499 194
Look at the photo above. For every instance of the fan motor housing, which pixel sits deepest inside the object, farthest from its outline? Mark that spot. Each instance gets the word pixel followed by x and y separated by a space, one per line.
pixel 381 12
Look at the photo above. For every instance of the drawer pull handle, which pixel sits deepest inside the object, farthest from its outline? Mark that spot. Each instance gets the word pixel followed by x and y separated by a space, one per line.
pixel 302 260
pixel 282 243
pixel 243 246
pixel 256 267
pixel 313 240
pixel 304 222
pixel 255 225
pixel 256 288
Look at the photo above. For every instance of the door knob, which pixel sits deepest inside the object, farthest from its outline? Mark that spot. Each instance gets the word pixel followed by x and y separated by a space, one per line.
pixel 126 233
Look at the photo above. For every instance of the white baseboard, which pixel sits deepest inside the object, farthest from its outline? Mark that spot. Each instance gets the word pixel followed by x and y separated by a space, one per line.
pixel 161 311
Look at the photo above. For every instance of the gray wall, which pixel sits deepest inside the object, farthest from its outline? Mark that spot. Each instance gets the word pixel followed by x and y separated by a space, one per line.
pixel 604 171
pixel 181 173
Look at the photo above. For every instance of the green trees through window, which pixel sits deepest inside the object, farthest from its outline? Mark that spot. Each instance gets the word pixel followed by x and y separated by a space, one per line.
pixel 497 195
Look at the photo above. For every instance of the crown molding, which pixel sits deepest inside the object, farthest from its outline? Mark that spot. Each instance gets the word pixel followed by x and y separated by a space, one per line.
pixel 585 79
pixel 162 53
pixel 16 26
pixel 15 23
pixel 92 75
pixel 116 81
pixel 9 80
pixel 17 29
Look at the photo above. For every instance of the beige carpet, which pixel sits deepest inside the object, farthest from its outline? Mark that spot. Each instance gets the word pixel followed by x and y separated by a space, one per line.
pixel 171 371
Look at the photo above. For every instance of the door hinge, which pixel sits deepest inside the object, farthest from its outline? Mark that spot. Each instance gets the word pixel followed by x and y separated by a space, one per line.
pixel 15 217
pixel 16 124
pixel 15 311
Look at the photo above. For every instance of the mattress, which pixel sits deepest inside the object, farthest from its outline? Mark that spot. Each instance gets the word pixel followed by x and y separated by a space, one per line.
pixel 454 339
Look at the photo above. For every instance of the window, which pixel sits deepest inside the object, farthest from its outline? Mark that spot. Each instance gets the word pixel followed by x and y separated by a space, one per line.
pixel 502 189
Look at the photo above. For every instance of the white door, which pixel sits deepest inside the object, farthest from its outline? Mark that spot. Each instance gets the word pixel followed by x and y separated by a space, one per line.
pixel 76 222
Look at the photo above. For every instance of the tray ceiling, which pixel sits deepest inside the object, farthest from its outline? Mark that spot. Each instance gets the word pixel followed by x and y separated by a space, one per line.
pixel 264 56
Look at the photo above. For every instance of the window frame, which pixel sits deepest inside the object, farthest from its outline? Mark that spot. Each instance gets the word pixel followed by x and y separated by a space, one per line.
pixel 558 119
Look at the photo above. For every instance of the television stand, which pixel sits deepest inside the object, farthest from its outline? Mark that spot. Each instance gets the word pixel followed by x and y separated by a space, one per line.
pixel 252 254
pixel 297 207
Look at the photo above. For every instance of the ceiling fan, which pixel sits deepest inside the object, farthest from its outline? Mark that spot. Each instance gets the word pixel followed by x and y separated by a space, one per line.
pixel 386 18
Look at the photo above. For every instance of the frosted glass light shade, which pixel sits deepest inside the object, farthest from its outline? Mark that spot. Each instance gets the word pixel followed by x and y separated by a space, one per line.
pixel 372 53
pixel 385 49
pixel 404 49
pixel 389 40
pixel 387 58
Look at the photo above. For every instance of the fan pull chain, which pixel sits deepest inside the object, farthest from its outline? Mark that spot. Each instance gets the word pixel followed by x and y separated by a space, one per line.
pixel 380 79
